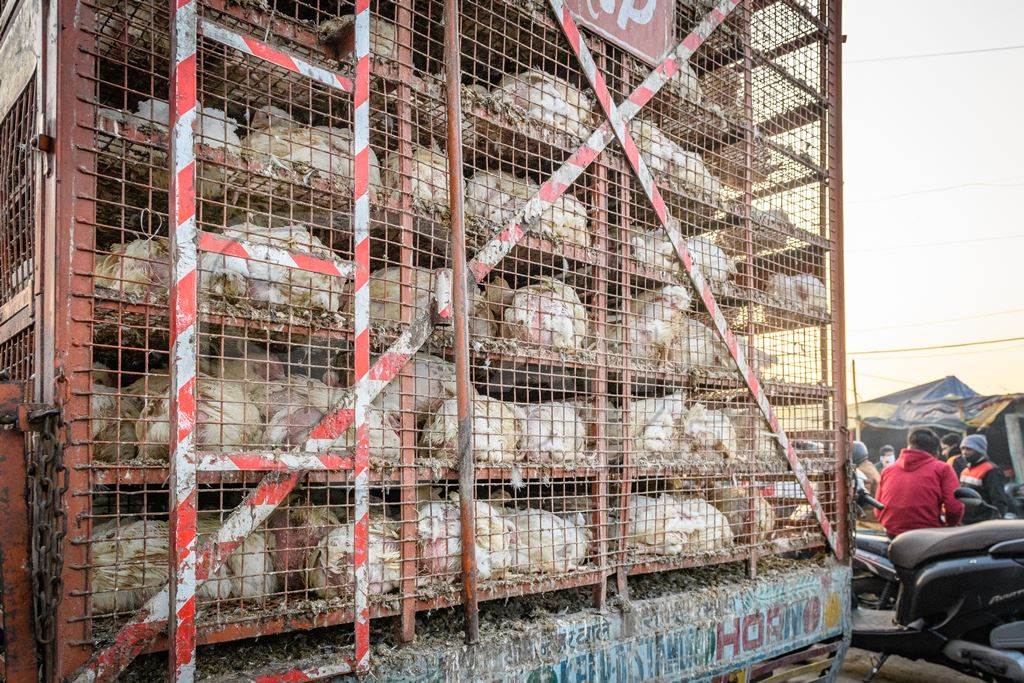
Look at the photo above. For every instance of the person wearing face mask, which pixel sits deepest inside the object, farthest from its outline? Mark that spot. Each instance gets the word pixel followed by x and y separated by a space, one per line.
pixel 886 456
pixel 983 476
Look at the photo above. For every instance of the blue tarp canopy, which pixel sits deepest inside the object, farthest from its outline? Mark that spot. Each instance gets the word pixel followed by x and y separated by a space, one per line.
pixel 946 403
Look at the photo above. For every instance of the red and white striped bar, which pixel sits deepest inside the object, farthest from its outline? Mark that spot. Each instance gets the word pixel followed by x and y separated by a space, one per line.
pixel 273 55
pixel 218 244
pixel 498 247
pixel 181 595
pixel 361 225
pixel 274 462
pixel 151 619
pixel 643 174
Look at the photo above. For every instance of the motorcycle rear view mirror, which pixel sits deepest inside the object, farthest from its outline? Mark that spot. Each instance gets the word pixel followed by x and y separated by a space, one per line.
pixel 968 496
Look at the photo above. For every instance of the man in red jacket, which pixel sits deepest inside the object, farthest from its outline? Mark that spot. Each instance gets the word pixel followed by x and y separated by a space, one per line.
pixel 917 487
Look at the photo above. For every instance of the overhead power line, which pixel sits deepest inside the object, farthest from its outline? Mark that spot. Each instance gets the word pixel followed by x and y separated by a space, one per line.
pixel 944 321
pixel 937 347
pixel 926 55
pixel 931 190
pixel 934 244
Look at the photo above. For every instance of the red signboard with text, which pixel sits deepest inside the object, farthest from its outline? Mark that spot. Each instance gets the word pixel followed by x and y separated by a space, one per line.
pixel 643 27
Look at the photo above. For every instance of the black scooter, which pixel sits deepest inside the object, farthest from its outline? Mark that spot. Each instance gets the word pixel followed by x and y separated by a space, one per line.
pixel 960 602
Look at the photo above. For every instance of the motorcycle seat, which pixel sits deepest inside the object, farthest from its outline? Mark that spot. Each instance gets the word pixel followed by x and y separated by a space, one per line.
pixel 872 543
pixel 911 549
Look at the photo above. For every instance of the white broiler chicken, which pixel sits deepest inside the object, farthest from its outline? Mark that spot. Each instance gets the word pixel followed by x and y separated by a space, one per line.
pixel 112 418
pixel 712 431
pixel 440 543
pixel 330 565
pixel 653 249
pixel 386 297
pixel 129 558
pixel 655 426
pixel 547 313
pixel 657 525
pixel 276 139
pixel 383 42
pixel 659 321
pixel 231 359
pixel 382 433
pixel 428 176
pixel 248 572
pixel 262 281
pixel 737 503
pixel 213 128
pixel 553 433
pixel 292 407
pixel 140 268
pixel 548 543
pixel 802 289
pixel 296 530
pixel 685 84
pixel 434 381
pixel 714 532
pixel 701 347
pixel 497 427
pixel 227 418
pixel 668 158
pixel 497 196
pixel 547 99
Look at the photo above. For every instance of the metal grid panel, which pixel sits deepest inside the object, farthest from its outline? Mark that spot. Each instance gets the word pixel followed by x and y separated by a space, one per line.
pixel 17 215
pixel 612 434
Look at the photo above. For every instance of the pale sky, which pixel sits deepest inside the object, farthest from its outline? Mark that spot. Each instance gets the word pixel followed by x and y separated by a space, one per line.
pixel 922 124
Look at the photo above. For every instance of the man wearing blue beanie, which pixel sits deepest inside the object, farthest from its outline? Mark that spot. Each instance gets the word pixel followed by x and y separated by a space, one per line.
pixel 983 476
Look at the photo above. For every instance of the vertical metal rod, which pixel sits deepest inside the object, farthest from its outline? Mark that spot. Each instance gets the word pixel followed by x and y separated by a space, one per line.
pixel 407 493
pixel 599 487
pixel 748 239
pixel 361 296
pixel 182 212
pixel 460 276
pixel 835 139
pixel 627 270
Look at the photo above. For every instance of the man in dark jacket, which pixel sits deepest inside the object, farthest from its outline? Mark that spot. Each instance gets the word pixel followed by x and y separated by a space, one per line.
pixel 951 453
pixel 918 487
pixel 982 475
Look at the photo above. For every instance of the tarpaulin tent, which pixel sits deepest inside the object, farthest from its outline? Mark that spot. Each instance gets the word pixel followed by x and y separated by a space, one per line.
pixel 946 403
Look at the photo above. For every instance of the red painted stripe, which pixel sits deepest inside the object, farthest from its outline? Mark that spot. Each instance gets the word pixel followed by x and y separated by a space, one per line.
pixel 669 67
pixel 601 90
pixel 182 3
pixel 185 527
pixel 709 301
pixel 185 86
pixel 272 492
pixel 658 202
pixel 551 190
pixel 388 366
pixel 362 6
pixel 583 157
pixel 571 32
pixel 362 258
pixel 718 16
pixel 185 634
pixel 185 306
pixel 693 41
pixel 479 269
pixel 345 83
pixel 641 96
pixel 362 88
pixel 362 362
pixel 315 265
pixel 333 461
pixel 293 676
pixel 185 192
pixel 632 153
pixel 334 424
pixel 216 244
pixel 362 168
pixel 269 54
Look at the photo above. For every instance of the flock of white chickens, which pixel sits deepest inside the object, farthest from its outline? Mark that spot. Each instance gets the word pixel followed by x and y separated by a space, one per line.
pixel 250 397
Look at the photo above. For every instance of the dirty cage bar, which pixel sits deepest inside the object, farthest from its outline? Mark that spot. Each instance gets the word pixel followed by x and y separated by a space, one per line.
pixel 653 310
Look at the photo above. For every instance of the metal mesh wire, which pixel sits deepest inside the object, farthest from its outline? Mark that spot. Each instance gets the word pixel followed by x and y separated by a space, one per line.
pixel 612 434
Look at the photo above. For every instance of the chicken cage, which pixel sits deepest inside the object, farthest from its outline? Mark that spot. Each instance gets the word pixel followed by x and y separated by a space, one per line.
pixel 260 214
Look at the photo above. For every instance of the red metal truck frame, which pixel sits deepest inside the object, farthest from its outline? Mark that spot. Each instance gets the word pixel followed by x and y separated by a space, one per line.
pixel 319 452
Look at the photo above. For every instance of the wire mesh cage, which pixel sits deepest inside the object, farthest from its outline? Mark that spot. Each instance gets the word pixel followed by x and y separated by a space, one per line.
pixel 613 431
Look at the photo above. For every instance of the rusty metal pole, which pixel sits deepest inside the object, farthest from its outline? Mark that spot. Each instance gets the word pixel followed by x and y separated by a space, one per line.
pixel 834 66
pixel 19 647
pixel 748 237
pixel 467 479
